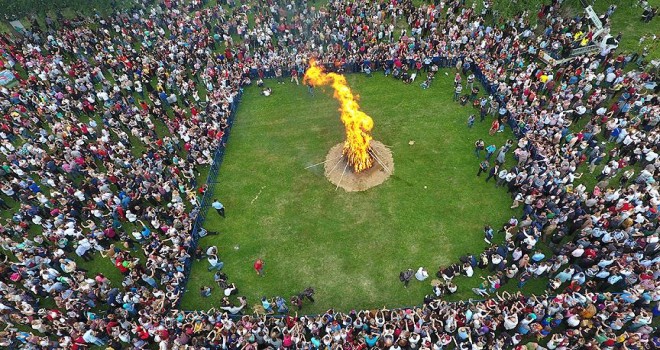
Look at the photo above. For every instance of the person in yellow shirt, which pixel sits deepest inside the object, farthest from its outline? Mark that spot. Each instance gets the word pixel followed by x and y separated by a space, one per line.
pixel 577 36
pixel 584 41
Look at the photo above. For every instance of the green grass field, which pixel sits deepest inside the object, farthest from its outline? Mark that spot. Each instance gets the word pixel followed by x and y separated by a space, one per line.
pixel 349 246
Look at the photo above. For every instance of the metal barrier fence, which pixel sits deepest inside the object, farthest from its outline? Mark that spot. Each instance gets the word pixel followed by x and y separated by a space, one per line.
pixel 205 203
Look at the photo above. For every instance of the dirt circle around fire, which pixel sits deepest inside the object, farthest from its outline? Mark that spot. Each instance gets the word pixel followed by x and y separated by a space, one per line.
pixel 339 173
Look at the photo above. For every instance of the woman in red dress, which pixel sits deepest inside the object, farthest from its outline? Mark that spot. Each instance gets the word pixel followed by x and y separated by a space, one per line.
pixel 494 127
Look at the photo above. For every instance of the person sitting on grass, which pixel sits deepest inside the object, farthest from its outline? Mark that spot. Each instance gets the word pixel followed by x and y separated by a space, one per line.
pixel 221 279
pixel 281 305
pixel 214 261
pixel 488 234
pixel 232 309
pixel 266 304
pixel 405 276
pixel 421 274
pixel 307 293
pixel 482 289
pixel 205 291
pixel 230 290
pixel 266 91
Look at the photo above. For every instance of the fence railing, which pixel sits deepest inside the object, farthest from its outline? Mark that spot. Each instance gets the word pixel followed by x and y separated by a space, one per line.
pixel 205 203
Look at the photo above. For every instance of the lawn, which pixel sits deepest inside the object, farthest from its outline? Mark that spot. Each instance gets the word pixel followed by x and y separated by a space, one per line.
pixel 349 246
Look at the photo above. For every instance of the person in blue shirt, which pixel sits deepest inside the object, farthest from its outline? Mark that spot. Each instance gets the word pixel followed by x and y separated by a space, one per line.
pixel 34 187
pixel 316 343
pixel 163 98
pixel 371 339
pixel 266 305
pixel 490 150
pixel 218 207
pixel 130 307
pixel 281 305
pixel 146 232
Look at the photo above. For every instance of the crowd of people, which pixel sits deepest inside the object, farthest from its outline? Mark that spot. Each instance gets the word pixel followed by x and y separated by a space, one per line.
pixel 110 123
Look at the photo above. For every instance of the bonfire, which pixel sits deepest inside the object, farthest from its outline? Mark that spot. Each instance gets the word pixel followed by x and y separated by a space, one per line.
pixel 358 124
pixel 370 161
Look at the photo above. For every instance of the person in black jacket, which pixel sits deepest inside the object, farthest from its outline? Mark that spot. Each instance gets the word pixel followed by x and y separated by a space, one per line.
pixel 405 277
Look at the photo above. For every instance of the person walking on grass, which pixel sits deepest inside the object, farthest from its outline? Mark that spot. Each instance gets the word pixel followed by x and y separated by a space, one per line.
pixel 470 121
pixel 218 207
pixel 259 267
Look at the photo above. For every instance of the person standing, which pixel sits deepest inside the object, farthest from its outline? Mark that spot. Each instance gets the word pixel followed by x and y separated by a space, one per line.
pixel 3 204
pixel 478 147
pixel 259 267
pixel 494 171
pixel 278 75
pixel 494 127
pixel 294 76
pixel 483 167
pixel 457 91
pixel 490 150
pixel 501 178
pixel 218 207
pixel 501 156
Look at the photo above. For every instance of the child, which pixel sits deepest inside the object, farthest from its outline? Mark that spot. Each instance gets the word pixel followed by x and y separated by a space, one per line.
pixel 470 121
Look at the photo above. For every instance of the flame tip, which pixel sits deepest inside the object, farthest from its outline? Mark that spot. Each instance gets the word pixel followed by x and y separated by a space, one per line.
pixel 357 124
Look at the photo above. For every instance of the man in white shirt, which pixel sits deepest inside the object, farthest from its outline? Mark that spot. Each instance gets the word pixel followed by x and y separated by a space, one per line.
pixel 421 274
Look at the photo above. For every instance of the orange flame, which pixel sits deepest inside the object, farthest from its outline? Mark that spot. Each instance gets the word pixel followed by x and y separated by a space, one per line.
pixel 357 123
